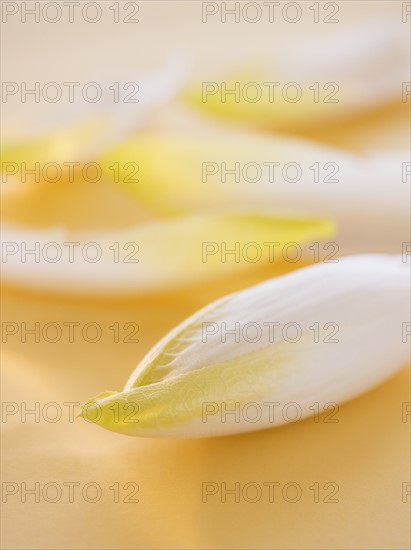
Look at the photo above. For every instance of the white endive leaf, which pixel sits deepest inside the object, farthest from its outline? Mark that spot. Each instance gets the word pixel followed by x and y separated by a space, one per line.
pixel 352 68
pixel 86 129
pixel 319 335
pixel 154 256
pixel 364 194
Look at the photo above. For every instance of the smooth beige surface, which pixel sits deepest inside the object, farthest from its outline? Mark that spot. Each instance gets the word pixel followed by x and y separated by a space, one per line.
pixel 366 453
